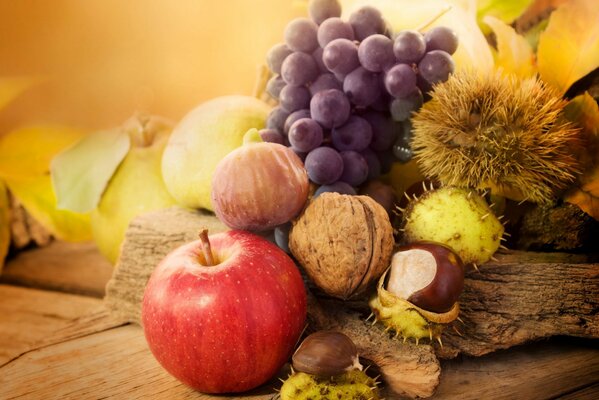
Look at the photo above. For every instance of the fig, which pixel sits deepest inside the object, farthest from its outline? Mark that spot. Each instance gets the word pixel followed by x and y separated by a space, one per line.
pixel 259 186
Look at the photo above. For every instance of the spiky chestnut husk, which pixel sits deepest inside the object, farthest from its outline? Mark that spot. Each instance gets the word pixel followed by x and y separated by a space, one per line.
pixel 499 132
pixel 456 217
pixel 407 320
pixel 351 385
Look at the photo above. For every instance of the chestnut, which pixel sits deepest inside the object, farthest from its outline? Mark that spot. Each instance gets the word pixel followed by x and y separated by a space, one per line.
pixel 428 275
pixel 326 353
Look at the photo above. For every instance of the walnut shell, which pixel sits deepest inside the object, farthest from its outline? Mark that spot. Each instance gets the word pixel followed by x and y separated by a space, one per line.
pixel 343 242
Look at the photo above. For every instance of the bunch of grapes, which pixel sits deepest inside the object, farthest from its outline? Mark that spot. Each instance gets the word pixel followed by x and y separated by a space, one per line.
pixel 346 90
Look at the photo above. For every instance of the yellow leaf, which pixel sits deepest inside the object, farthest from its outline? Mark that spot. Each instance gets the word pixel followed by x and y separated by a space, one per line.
pixel 506 11
pixel 569 47
pixel 514 54
pixel 37 196
pixel 4 224
pixel 584 111
pixel 27 151
pixel 10 88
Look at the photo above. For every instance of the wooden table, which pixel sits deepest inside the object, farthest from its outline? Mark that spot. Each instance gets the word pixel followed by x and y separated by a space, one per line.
pixel 58 342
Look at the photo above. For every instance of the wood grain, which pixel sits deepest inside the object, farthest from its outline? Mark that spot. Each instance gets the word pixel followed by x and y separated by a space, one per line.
pixel 69 267
pixel 29 315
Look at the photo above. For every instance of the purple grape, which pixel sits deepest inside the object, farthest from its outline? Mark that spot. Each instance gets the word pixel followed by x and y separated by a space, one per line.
pixel 382 102
pixel 367 21
pixel 423 85
pixel 330 108
pixel 271 136
pixel 325 82
pixel 276 119
pixel 341 56
pixel 362 87
pixel 337 187
pixel 383 130
pixel 274 86
pixel 355 134
pixel 400 80
pixel 324 165
pixel 300 35
pixel 436 66
pixel 320 10
pixel 294 116
pixel 334 28
pixel 293 98
pixel 275 57
pixel 305 134
pixel 402 108
pixel 376 53
pixel 355 168
pixel 409 47
pixel 282 236
pixel 299 69
pixel 441 38
pixel 374 165
pixel 317 56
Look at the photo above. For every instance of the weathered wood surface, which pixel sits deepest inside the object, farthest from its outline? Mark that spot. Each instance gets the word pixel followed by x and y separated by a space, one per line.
pixel 68 267
pixel 71 350
pixel 29 315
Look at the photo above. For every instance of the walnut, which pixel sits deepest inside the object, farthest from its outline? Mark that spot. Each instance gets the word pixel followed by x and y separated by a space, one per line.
pixel 343 242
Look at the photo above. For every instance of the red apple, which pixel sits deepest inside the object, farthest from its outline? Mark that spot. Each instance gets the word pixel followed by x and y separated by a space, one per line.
pixel 229 326
pixel 259 186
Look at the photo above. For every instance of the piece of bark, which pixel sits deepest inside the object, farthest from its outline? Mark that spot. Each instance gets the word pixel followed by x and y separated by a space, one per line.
pixel 525 296
pixel 408 370
pixel 24 229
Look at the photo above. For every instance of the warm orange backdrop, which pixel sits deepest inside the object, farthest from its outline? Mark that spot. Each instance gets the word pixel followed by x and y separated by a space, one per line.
pixel 105 59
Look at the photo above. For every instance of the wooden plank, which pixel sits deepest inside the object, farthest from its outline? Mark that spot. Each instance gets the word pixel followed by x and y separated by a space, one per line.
pixel 114 364
pixel 68 267
pixel 537 371
pixel 29 315
pixel 587 393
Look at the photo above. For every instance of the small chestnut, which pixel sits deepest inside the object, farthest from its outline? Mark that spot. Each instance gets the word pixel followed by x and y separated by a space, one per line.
pixel 326 353
pixel 428 275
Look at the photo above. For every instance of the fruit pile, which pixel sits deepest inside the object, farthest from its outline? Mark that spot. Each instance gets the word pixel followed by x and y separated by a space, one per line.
pixel 346 90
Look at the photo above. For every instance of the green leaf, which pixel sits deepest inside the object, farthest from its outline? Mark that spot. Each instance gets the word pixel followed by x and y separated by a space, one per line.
pixel 37 197
pixel 506 11
pixel 569 47
pixel 80 174
pixel 514 54
pixel 4 224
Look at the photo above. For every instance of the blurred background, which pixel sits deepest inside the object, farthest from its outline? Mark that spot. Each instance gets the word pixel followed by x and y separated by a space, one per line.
pixel 99 61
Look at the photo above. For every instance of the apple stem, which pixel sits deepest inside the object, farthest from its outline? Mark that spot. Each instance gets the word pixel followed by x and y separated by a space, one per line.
pixel 206 247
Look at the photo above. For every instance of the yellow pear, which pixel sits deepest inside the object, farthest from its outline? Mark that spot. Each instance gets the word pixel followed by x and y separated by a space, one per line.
pixel 135 188
pixel 202 139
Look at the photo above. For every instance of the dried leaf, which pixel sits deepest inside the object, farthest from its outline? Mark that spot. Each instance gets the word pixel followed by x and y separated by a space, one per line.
pixel 37 196
pixel 584 110
pixel 27 151
pixel 569 47
pixel 80 174
pixel 514 54
pixel 4 224
pixel 11 88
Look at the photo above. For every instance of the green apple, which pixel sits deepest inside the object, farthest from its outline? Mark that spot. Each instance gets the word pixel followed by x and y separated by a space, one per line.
pixel 135 188
pixel 202 139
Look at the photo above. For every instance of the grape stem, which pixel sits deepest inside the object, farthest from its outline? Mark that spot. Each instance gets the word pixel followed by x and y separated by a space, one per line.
pixel 435 18
pixel 207 250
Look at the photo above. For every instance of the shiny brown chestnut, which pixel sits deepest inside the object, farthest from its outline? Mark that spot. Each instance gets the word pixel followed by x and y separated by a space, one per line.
pixel 326 353
pixel 428 275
